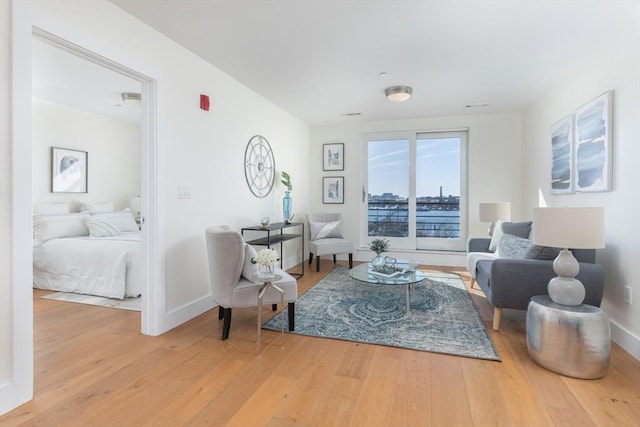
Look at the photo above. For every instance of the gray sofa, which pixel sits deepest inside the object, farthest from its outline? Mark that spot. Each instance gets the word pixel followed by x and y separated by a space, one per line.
pixel 510 283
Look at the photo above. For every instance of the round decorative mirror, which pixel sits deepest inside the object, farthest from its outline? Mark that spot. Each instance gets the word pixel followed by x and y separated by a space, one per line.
pixel 259 166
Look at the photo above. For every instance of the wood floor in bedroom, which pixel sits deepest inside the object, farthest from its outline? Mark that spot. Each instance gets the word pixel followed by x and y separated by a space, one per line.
pixel 94 368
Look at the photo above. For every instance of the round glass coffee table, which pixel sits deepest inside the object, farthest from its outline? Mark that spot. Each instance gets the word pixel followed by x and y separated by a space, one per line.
pixel 364 274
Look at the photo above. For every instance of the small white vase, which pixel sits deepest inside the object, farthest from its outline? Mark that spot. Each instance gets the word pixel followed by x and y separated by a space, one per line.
pixel 266 271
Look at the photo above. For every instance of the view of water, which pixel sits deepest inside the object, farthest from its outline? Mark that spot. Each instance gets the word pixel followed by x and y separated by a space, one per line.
pixel 394 222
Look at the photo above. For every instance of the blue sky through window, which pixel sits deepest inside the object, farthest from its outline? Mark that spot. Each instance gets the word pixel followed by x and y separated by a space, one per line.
pixel 438 164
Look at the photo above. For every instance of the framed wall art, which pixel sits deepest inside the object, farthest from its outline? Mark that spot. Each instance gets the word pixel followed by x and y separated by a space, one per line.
pixel 593 141
pixel 333 189
pixel 333 157
pixel 562 156
pixel 68 170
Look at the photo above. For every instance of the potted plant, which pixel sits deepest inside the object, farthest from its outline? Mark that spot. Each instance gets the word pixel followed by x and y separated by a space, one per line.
pixel 378 246
pixel 287 202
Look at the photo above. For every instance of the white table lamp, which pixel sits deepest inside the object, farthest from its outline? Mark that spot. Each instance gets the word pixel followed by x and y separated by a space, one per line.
pixel 576 228
pixel 492 212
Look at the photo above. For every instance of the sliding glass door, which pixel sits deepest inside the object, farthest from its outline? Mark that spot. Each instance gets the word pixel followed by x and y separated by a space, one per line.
pixel 416 189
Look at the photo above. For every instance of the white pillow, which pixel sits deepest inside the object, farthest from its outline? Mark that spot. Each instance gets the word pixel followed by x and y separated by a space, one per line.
pixel 96 207
pixel 101 227
pixel 325 230
pixel 249 270
pixel 51 208
pixel 47 227
pixel 495 237
pixel 122 221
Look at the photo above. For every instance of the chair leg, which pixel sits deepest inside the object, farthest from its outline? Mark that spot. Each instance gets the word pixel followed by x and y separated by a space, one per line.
pixel 334 258
pixel 497 313
pixel 227 323
pixel 274 307
pixel 310 258
pixel 350 260
pixel 220 312
pixel 317 263
pixel 292 316
pixel 472 284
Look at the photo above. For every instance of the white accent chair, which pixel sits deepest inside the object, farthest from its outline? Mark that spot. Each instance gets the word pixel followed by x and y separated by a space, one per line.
pixel 326 238
pixel 227 261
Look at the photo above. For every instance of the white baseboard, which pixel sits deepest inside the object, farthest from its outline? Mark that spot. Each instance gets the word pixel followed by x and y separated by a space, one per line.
pixel 625 339
pixel 187 312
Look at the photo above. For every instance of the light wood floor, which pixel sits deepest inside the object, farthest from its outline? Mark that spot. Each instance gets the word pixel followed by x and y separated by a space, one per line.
pixel 93 368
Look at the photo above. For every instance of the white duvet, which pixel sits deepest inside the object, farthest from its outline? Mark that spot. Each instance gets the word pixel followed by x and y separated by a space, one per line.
pixel 103 266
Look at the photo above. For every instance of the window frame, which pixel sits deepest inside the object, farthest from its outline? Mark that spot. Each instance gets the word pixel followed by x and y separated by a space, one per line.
pixel 412 242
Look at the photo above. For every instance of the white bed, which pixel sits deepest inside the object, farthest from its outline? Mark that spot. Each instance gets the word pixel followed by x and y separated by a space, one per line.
pixel 95 254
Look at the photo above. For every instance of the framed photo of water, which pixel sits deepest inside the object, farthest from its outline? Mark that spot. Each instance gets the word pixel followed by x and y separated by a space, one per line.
pixel 593 141
pixel 562 156
pixel 333 157
pixel 68 170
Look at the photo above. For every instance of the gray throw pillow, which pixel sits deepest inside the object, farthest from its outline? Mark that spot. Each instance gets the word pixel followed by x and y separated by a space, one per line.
pixel 541 252
pixel 512 247
pixel 325 230
pixel 520 229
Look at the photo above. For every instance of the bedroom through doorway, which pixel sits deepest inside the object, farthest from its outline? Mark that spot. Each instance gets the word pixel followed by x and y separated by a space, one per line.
pixel 87 162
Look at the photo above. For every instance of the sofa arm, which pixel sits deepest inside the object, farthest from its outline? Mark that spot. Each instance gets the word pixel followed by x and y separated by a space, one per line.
pixel 515 281
pixel 478 244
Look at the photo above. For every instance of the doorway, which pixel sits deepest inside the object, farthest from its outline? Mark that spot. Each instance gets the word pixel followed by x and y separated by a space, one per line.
pixel 148 167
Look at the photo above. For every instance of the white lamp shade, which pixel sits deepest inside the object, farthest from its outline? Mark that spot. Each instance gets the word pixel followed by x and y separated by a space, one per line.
pixel 134 204
pixel 571 228
pixel 492 212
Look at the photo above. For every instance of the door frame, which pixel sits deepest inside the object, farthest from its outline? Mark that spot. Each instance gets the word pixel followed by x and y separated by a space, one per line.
pixel 16 358
pixel 148 166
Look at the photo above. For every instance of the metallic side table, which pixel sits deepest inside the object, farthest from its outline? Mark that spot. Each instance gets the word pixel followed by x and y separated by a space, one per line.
pixel 266 284
pixel 571 340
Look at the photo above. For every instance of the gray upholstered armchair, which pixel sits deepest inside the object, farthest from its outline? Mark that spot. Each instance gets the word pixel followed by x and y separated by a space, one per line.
pixel 326 238
pixel 231 271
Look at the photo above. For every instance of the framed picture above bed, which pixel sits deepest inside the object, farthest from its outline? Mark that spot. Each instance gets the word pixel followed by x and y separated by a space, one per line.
pixel 68 170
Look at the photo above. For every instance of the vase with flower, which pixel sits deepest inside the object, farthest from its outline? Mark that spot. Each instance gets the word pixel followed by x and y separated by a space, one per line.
pixel 266 259
pixel 287 202
pixel 379 246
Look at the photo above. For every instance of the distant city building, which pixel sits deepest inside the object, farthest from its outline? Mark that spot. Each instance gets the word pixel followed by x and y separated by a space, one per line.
pixel 449 202
pixel 437 216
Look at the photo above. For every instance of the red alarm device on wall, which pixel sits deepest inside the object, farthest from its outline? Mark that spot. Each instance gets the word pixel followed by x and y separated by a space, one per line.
pixel 204 102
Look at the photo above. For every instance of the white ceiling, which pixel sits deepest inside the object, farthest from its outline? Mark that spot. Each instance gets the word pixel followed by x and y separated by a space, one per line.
pixel 63 78
pixel 320 60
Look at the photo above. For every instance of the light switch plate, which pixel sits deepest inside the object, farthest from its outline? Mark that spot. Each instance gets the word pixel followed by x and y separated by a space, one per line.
pixel 184 192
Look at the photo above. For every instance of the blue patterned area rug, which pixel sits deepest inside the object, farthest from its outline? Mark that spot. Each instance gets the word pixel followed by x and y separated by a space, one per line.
pixel 443 318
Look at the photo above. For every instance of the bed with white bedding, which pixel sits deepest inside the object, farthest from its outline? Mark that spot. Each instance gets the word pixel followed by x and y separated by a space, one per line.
pixel 95 254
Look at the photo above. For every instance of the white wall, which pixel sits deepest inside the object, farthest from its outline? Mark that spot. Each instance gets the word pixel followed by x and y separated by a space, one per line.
pixel 615 66
pixel 494 170
pixel 201 150
pixel 113 148
pixel 5 204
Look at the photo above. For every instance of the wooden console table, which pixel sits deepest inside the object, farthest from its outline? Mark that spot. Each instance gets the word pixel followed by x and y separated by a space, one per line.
pixel 273 238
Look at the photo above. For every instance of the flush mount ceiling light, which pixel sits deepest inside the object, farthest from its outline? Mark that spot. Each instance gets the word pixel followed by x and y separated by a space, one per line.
pixel 131 98
pixel 398 93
